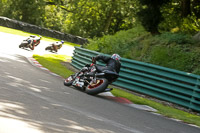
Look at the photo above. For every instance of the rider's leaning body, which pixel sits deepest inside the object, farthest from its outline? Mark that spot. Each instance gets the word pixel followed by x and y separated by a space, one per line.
pixel 33 41
pixel 112 63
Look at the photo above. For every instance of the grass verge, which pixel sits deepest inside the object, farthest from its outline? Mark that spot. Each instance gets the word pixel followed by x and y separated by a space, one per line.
pixel 53 63
pixel 26 34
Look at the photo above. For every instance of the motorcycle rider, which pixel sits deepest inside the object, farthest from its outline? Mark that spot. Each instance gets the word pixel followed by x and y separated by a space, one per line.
pixel 57 45
pixel 38 40
pixel 112 63
pixel 33 41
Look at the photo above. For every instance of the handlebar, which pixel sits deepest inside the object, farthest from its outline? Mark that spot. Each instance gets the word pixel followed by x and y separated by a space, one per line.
pixel 93 60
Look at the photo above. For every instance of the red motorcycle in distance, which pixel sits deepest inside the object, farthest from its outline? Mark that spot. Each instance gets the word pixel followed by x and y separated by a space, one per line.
pixel 31 42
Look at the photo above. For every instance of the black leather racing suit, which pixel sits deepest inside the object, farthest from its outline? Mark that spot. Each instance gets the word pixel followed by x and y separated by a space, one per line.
pixel 111 64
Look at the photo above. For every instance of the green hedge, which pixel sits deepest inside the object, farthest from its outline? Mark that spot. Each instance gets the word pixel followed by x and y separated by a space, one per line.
pixel 172 50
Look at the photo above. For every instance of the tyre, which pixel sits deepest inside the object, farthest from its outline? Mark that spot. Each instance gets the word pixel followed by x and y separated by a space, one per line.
pixel 48 48
pixel 98 87
pixel 68 81
pixel 23 45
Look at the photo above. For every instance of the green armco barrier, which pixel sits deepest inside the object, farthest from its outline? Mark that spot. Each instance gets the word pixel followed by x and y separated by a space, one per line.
pixel 160 82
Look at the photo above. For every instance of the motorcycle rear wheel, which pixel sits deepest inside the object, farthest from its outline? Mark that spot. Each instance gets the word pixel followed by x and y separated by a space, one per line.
pixel 68 81
pixel 49 48
pixel 23 45
pixel 98 87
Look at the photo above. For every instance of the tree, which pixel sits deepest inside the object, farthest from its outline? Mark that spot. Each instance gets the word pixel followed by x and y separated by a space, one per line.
pixel 177 21
pixel 90 18
pixel 186 10
pixel 150 15
pixel 196 8
pixel 30 11
pixel 4 5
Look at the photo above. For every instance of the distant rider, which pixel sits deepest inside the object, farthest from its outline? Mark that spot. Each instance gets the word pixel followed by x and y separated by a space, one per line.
pixel 33 41
pixel 57 45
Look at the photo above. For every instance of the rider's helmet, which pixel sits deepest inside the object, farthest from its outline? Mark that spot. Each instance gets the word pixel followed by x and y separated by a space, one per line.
pixel 116 57
pixel 32 36
pixel 62 41
pixel 40 37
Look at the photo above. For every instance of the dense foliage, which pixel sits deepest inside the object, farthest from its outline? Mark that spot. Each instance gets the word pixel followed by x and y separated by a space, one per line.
pixel 30 11
pixel 86 18
pixel 172 50
pixel 95 18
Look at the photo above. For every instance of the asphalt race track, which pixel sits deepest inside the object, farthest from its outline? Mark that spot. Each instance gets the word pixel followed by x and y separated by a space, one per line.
pixel 34 101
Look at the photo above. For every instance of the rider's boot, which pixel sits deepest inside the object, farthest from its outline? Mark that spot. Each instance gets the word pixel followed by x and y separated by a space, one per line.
pixel 108 89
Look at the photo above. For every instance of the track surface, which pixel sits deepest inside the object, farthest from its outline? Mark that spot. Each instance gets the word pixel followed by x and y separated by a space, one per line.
pixel 34 101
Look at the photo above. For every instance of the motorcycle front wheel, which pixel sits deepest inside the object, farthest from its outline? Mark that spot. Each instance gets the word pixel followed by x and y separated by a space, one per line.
pixel 68 81
pixel 99 86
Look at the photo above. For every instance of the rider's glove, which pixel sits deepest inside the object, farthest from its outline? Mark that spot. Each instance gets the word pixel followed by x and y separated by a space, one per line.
pixel 93 60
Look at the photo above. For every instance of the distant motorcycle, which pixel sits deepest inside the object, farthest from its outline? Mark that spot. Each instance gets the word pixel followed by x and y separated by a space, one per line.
pixel 90 81
pixel 31 42
pixel 54 47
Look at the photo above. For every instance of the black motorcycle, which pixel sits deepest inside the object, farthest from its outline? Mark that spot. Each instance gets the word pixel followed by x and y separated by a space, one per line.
pixel 91 80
